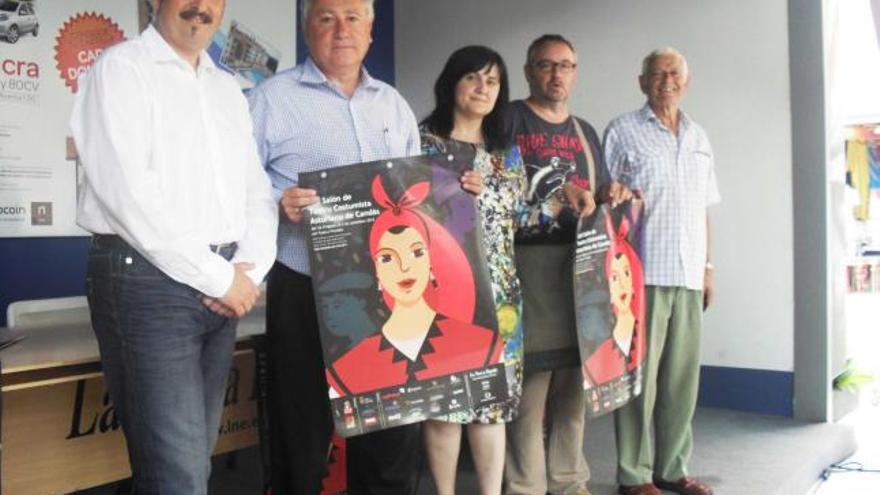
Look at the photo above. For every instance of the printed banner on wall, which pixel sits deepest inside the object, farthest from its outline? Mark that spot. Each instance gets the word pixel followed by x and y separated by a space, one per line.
pixel 404 302
pixel 610 305
pixel 252 43
pixel 45 46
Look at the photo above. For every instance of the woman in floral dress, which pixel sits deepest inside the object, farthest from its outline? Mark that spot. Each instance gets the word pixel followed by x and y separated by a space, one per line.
pixel 471 94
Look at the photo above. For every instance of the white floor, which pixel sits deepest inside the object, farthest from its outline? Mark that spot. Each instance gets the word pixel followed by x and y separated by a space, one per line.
pixel 860 474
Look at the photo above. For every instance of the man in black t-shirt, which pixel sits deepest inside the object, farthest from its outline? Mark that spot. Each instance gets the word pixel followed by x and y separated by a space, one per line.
pixel 566 169
pixel 554 156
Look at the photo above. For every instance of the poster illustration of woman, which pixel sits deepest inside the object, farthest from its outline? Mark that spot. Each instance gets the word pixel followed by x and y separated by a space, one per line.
pixel 427 285
pixel 610 305
pixel 624 349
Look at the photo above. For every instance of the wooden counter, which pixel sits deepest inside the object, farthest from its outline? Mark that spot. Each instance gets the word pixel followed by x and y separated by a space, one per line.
pixel 59 428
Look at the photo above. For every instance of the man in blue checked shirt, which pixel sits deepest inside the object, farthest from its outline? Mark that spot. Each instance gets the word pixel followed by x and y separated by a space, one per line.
pixel 323 113
pixel 666 156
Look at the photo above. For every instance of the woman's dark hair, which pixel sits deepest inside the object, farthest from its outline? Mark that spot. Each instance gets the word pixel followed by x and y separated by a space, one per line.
pixel 462 62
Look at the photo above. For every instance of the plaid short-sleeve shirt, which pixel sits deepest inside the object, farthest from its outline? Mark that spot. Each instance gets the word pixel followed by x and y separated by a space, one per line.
pixel 676 177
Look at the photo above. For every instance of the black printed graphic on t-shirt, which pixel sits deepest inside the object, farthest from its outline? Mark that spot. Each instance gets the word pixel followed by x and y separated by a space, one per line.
pixel 553 155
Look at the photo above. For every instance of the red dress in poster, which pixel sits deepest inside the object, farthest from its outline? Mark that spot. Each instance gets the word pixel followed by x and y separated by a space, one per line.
pixel 427 283
pixel 625 348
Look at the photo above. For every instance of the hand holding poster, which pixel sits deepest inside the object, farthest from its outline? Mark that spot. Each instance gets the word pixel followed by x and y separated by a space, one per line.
pixel 610 305
pixel 405 308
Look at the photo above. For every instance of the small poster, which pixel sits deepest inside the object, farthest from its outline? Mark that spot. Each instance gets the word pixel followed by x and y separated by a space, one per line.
pixel 406 313
pixel 863 277
pixel 610 305
pixel 250 45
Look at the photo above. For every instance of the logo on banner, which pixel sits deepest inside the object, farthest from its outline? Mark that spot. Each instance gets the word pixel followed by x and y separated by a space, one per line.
pixel 80 41
pixel 41 213
pixel 19 80
pixel 12 213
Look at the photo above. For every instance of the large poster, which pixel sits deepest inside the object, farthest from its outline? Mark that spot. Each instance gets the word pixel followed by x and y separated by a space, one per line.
pixel 610 305
pixel 404 303
pixel 45 46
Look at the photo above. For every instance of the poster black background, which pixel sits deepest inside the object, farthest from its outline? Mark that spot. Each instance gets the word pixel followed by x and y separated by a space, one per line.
pixel 350 306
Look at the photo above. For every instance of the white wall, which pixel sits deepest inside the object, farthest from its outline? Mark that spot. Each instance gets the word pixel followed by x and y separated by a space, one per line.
pixel 738 53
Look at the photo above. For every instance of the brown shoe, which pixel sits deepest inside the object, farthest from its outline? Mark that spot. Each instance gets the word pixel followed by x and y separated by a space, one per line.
pixel 646 489
pixel 685 486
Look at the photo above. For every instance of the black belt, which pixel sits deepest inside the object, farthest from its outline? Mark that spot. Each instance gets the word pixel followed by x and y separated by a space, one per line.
pixel 115 240
pixel 220 248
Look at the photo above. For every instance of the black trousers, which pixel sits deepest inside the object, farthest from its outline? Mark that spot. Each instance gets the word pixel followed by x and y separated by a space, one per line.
pixel 300 423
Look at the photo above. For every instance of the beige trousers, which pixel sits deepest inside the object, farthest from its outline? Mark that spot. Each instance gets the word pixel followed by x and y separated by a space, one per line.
pixel 545 443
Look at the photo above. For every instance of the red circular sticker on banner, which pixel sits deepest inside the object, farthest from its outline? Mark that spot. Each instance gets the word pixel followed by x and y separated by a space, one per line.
pixel 80 41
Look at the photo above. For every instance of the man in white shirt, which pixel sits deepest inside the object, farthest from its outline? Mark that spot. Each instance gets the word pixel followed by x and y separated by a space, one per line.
pixel 184 230
pixel 660 151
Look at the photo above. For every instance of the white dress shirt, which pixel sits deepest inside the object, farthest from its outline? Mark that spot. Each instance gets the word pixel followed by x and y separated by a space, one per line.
pixel 676 176
pixel 170 164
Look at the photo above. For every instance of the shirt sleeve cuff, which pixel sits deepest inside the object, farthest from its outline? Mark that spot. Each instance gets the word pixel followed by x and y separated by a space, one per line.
pixel 219 275
pixel 276 194
pixel 262 264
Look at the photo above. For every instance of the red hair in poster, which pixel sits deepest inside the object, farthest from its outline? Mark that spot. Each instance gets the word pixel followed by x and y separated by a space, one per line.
pixel 427 284
pixel 625 348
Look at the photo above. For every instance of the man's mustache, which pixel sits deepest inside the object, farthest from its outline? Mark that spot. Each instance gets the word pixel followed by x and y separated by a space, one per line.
pixel 193 12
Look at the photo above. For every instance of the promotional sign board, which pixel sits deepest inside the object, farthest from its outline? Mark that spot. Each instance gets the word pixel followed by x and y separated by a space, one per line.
pixel 404 302
pixel 610 305
pixel 45 46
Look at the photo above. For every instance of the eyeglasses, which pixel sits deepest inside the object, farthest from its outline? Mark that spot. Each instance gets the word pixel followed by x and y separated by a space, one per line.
pixel 659 74
pixel 548 66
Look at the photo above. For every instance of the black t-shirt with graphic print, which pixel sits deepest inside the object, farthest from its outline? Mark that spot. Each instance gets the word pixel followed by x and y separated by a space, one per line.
pixel 553 154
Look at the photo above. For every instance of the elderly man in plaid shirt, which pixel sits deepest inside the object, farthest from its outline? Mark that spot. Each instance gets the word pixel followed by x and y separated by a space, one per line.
pixel 662 153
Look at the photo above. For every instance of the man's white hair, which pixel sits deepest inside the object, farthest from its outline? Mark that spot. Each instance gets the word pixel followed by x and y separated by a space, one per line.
pixel 306 7
pixel 662 52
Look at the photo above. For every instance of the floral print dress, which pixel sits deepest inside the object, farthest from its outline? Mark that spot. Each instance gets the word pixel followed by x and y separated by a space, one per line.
pixel 504 183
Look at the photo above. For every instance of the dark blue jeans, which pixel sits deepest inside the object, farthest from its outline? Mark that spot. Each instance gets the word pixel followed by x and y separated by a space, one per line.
pixel 166 359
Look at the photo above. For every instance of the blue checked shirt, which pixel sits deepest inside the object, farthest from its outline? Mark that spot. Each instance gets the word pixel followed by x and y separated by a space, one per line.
pixel 676 176
pixel 303 123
